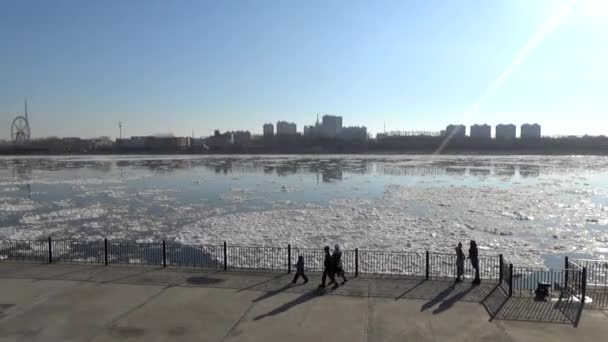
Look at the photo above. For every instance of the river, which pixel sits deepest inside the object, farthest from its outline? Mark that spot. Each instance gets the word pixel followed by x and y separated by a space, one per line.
pixel 533 209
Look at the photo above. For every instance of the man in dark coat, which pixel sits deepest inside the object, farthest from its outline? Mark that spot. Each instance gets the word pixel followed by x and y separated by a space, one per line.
pixel 337 258
pixel 328 269
pixel 459 262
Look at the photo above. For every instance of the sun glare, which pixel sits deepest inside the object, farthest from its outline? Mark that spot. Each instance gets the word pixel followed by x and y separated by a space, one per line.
pixel 594 8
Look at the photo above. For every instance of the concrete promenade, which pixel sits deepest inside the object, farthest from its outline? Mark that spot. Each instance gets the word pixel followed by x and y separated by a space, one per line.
pixel 62 302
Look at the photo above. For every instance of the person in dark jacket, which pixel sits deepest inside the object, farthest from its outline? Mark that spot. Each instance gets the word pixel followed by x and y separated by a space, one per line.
pixel 337 258
pixel 328 269
pixel 459 262
pixel 300 271
pixel 474 256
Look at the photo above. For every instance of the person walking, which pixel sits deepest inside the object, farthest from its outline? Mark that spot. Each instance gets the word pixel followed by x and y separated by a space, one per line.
pixel 474 256
pixel 328 269
pixel 459 262
pixel 337 258
pixel 300 271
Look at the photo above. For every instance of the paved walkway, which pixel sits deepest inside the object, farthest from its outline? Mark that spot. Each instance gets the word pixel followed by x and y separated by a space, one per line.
pixel 97 303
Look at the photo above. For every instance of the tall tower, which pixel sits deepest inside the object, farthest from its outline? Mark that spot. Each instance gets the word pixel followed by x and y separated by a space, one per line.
pixel 26 118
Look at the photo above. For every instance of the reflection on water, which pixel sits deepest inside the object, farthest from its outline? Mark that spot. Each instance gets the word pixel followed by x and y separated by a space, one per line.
pixel 529 170
pixel 331 168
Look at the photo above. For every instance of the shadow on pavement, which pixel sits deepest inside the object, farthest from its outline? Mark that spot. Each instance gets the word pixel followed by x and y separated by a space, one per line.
pixel 448 303
pixel 500 306
pixel 495 301
pixel 529 310
pixel 273 292
pixel 203 280
pixel 431 289
pixel 252 287
pixel 410 290
pixel 303 298
pixel 438 298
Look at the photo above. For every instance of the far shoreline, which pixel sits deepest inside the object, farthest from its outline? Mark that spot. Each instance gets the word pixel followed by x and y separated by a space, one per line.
pixel 307 153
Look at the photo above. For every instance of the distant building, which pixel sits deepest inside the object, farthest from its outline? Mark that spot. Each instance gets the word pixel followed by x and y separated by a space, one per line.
pixel 198 142
pixel 241 137
pixel 530 131
pixel 331 126
pixel 219 140
pixel 100 143
pixel 456 131
pixel 268 130
pixel 306 131
pixel 133 143
pixel 505 132
pixel 396 134
pixel 286 128
pixel 313 131
pixel 167 142
pixel 153 142
pixel 481 132
pixel 353 133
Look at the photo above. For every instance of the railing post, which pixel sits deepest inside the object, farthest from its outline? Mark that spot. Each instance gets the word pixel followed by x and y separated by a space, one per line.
pixel 105 250
pixel 50 251
pixel 566 272
pixel 428 263
pixel 510 280
pixel 225 257
pixel 288 258
pixel 500 263
pixel 164 254
pixel 584 290
pixel 356 262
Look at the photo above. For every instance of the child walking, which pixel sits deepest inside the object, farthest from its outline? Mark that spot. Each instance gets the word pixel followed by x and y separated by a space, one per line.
pixel 300 271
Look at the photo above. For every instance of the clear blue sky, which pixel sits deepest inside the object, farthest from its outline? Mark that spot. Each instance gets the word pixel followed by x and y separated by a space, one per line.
pixel 175 66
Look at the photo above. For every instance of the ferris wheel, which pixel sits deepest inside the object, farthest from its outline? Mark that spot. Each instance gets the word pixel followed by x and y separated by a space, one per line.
pixel 20 129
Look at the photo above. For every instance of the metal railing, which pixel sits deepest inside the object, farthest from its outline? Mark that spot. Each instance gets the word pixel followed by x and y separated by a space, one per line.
pixel 131 253
pixel 574 292
pixel 597 272
pixel 526 279
pixel 257 258
pixel 391 263
pixel 575 280
pixel 506 277
pixel 444 266
pixel 78 251
pixel 276 259
pixel 596 289
pixel 25 250
pixel 205 256
pixel 567 286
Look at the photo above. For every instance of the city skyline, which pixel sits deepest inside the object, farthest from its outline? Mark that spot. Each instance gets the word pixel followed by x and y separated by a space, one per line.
pixel 199 66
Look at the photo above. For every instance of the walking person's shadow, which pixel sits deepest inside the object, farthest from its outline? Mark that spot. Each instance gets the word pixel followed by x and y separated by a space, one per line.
pixel 303 298
pixel 272 293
